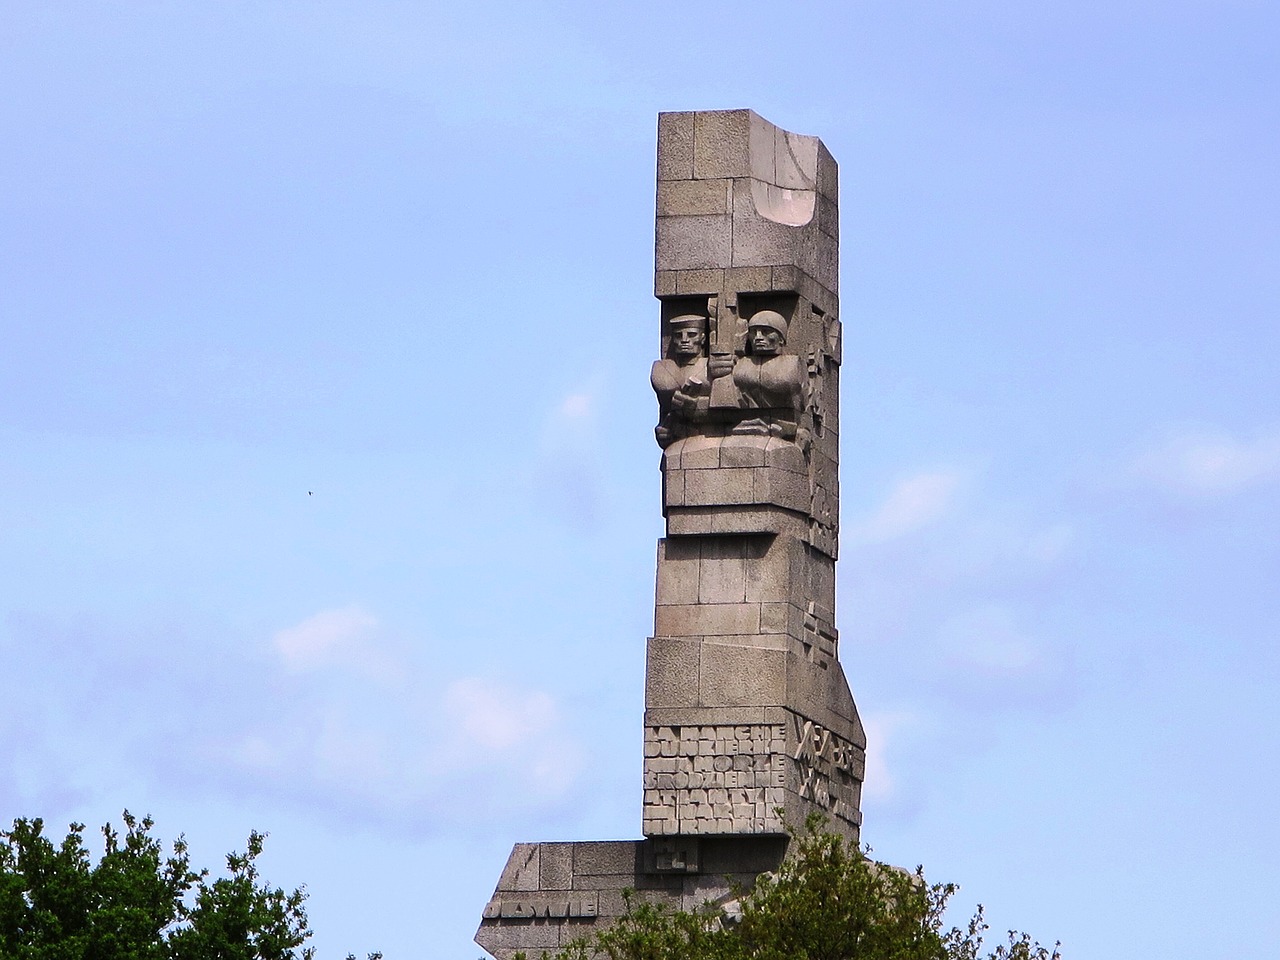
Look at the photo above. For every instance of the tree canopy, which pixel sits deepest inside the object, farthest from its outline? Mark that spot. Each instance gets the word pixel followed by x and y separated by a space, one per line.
pixel 137 903
pixel 828 901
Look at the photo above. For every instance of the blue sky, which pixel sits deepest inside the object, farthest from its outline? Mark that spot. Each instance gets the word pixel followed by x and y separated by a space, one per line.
pixel 328 497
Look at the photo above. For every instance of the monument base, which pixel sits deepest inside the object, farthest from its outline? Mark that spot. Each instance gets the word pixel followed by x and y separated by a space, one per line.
pixel 553 893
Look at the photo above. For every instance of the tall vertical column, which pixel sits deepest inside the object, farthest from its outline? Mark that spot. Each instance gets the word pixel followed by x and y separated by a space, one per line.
pixel 749 723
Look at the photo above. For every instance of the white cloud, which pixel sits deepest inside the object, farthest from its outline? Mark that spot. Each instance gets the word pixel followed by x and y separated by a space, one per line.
pixel 326 716
pixel 417 754
pixel 985 641
pixel 880 785
pixel 985 658
pixel 576 413
pixel 568 472
pixel 915 502
pixel 325 638
pixel 577 406
pixel 498 717
pixel 1210 462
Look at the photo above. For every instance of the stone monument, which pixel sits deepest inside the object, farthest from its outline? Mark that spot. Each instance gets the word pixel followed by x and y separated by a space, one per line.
pixel 749 724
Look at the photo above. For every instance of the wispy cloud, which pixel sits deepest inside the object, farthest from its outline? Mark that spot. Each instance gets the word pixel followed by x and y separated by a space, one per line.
pixel 986 656
pixel 395 743
pixel 331 713
pixel 1209 462
pixel 882 729
pixel 915 502
pixel 577 406
pixel 567 476
pixel 496 717
pixel 328 637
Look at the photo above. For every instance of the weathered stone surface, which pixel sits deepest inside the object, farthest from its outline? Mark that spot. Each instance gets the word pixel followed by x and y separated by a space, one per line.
pixel 675 146
pixel 657 870
pixel 749 721
pixel 671 672
pixel 687 198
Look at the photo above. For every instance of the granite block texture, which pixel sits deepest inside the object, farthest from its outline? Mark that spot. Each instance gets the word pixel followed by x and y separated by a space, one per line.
pixel 749 722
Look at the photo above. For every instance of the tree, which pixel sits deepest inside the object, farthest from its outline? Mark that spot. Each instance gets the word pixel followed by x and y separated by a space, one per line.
pixel 136 903
pixel 828 901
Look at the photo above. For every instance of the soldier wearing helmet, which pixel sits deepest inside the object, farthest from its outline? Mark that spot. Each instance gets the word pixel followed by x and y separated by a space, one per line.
pixel 767 379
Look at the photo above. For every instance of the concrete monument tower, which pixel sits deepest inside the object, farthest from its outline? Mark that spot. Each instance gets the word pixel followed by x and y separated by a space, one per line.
pixel 749 722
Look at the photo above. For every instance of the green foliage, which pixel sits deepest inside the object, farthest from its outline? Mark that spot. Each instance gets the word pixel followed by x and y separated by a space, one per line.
pixel 828 901
pixel 136 903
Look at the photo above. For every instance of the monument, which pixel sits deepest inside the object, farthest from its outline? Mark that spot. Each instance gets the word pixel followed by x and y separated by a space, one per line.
pixel 749 724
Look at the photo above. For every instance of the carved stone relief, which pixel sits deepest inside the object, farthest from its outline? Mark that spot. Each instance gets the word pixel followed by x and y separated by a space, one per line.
pixel 681 381
pixel 761 390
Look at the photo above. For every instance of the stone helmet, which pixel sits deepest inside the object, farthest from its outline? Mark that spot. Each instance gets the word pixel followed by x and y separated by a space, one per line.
pixel 770 319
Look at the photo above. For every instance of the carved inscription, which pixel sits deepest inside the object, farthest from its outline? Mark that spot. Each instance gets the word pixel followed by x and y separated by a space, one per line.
pixel 829 769
pixel 714 779
pixel 572 905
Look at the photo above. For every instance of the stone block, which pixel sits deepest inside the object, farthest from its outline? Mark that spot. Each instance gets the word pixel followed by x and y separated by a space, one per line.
pixel 678 560
pixel 722 548
pixel 784 455
pixel 743 451
pixel 613 903
pixel 671 457
pixel 773 618
pixel 672 857
pixel 605 857
pixel 502 938
pixel 721 144
pixel 749 518
pixel 722 579
pixel 779 487
pixel 746 855
pixel 758 242
pixel 813 291
pixel 828 218
pixel 719 486
pixel 694 243
pixel 818 256
pixel 789 208
pixel 760 143
pixel 795 160
pixel 748 279
pixel 684 521
pixel 784 278
pixel 715 716
pixel 522 869
pixel 699 282
pixel 671 672
pixel 675 146
pixel 821 694
pixel 700 453
pixel 555 870
pixel 673 488
pixel 738 676
pixel 664 283
pixel 707 620
pixel 828 174
pixel 690 198
pixel 768 572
